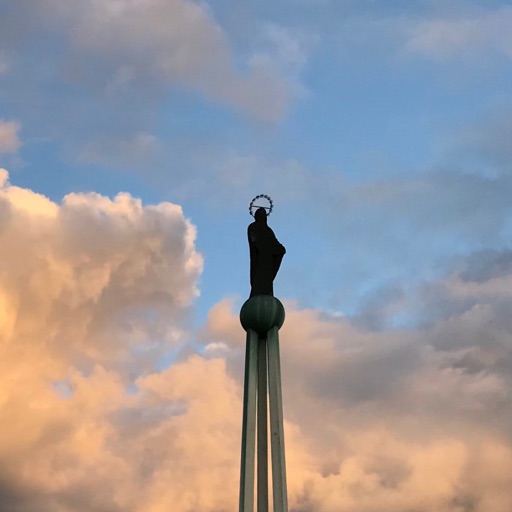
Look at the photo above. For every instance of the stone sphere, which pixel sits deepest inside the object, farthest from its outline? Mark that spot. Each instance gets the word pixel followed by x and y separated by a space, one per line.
pixel 261 313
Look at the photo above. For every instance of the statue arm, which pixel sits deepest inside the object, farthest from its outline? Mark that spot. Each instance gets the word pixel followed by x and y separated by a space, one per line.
pixel 279 248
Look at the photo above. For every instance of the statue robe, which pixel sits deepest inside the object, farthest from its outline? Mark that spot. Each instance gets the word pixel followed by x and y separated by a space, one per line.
pixel 266 255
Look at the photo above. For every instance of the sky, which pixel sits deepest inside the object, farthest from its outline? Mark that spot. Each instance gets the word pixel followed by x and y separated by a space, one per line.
pixel 134 134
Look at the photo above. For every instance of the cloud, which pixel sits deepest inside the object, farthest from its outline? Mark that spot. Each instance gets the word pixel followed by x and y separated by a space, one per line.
pixel 438 31
pixel 464 35
pixel 4 62
pixel 95 292
pixel 96 271
pixel 486 265
pixel 376 236
pixel 129 49
pixel 380 237
pixel 241 174
pixel 137 150
pixel 286 51
pixel 485 142
pixel 9 136
pixel 396 417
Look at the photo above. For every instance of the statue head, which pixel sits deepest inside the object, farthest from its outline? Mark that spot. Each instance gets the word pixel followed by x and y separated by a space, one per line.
pixel 260 215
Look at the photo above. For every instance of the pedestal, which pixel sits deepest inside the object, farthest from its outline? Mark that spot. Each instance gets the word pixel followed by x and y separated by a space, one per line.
pixel 262 316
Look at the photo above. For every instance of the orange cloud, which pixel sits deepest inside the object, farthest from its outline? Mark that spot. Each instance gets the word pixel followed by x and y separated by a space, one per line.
pixel 384 420
pixel 93 292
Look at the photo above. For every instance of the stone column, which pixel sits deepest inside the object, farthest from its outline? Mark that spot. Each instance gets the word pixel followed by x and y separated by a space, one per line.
pixel 262 316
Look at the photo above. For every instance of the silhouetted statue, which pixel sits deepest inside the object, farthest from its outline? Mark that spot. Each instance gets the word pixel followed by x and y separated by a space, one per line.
pixel 266 254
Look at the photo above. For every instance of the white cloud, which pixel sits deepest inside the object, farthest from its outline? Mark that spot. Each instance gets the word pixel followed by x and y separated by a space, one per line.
pixel 291 47
pixel 286 51
pixel 9 136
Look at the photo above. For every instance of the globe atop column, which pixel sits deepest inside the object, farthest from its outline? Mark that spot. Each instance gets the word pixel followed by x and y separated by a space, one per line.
pixel 261 313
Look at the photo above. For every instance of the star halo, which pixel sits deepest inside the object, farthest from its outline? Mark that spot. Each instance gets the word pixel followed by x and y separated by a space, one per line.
pixel 253 206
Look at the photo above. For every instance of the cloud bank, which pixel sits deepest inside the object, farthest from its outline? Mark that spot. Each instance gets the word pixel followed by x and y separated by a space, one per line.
pixel 94 294
pixel 396 420
pixel 123 49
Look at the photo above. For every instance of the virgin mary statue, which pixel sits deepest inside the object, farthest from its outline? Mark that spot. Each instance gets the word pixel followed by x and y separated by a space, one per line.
pixel 266 254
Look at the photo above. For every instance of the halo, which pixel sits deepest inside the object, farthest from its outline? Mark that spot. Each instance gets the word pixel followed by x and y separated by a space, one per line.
pixel 253 206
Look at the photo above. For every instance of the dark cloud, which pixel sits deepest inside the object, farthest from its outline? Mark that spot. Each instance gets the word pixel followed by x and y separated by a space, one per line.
pixel 379 375
pixel 377 308
pixel 15 497
pixel 488 264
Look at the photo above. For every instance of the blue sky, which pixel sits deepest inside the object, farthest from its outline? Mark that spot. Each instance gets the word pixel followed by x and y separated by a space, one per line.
pixel 380 129
pixel 368 94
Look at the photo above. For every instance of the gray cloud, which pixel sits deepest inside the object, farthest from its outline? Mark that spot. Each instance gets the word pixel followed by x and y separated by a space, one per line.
pixel 466 34
pixel 488 264
pixel 487 142
pixel 126 51
pixel 372 407
pixel 9 136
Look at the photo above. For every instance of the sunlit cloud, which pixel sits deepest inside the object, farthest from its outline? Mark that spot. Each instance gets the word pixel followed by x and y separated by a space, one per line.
pixel 94 292
pixel 381 131
pixel 396 416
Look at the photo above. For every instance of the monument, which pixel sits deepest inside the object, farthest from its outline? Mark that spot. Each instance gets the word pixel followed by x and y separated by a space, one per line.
pixel 262 315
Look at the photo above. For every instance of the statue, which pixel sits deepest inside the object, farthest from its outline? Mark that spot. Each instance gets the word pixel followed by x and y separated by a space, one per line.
pixel 266 253
pixel 261 316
